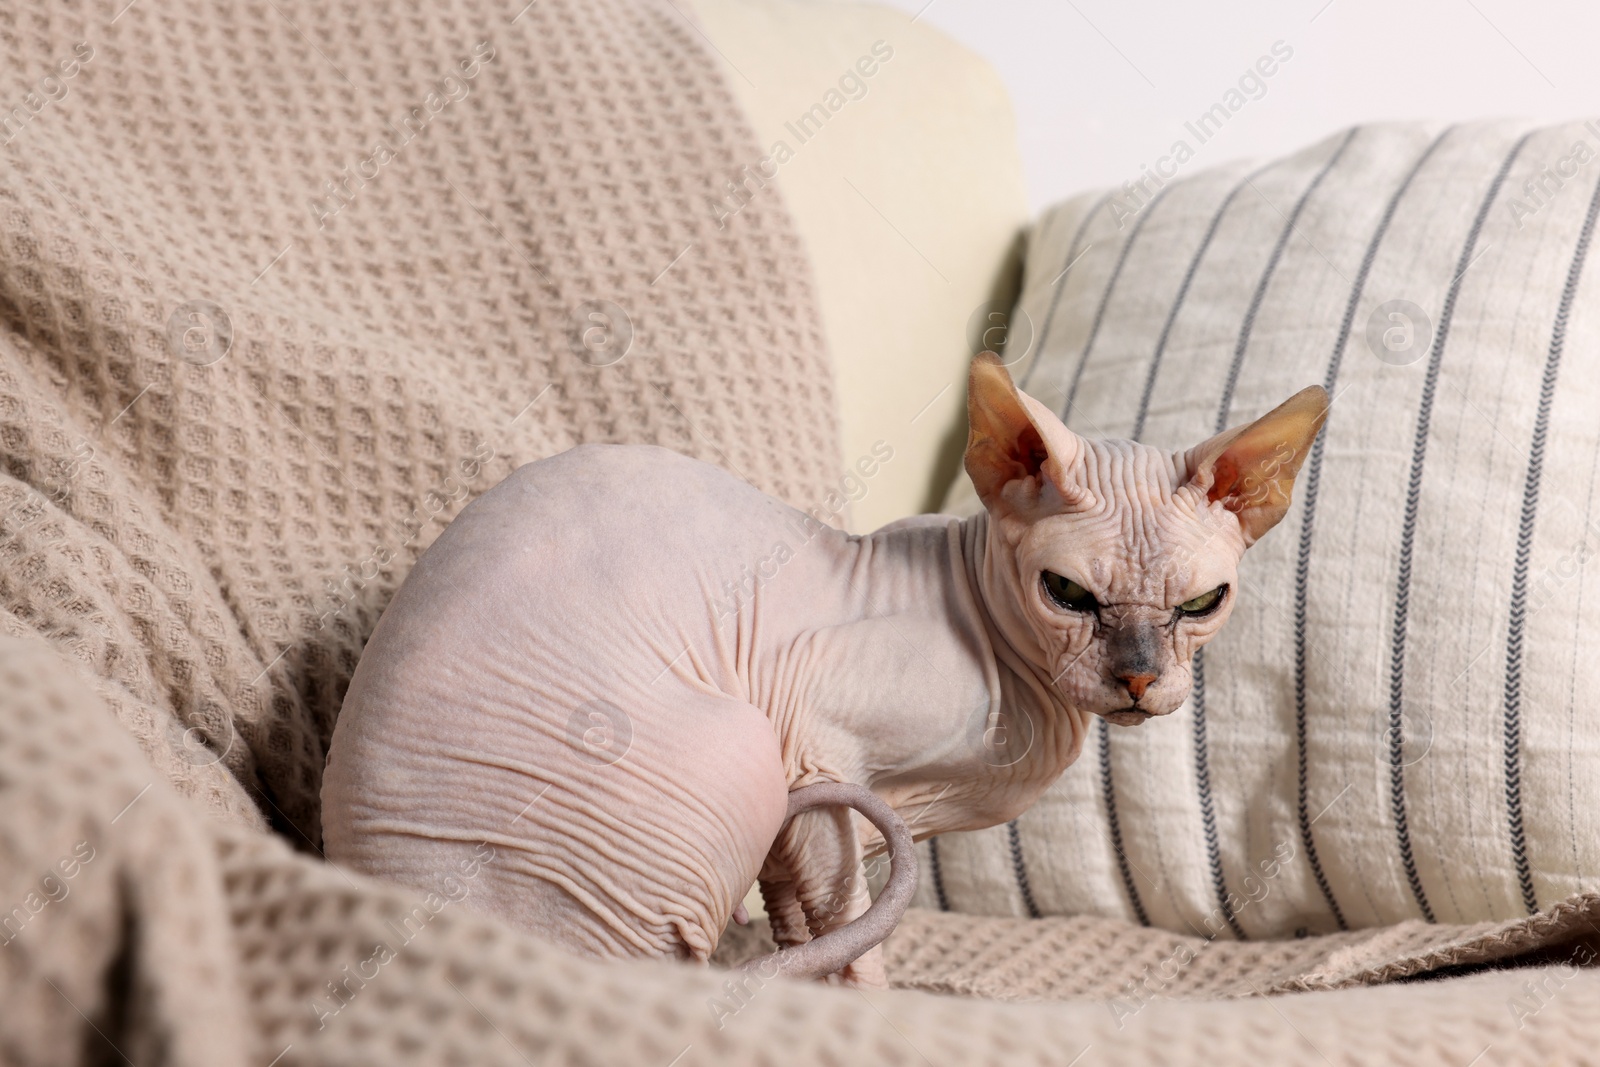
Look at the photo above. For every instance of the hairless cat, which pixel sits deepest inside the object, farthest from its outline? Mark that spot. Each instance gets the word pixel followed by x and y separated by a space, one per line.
pixel 644 685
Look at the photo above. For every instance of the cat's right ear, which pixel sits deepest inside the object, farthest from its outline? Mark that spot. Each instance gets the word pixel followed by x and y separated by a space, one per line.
pixel 1251 469
pixel 1011 437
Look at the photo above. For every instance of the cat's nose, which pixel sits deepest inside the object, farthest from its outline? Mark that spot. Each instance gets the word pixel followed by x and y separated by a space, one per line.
pixel 1136 684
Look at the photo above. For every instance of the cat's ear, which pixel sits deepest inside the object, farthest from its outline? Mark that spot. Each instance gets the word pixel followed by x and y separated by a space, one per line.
pixel 1251 469
pixel 1012 436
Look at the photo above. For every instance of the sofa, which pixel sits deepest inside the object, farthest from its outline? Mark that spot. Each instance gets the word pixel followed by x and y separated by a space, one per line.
pixel 283 286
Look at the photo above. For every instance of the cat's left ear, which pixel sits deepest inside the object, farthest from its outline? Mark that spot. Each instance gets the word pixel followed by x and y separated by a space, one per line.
pixel 1012 437
pixel 1251 469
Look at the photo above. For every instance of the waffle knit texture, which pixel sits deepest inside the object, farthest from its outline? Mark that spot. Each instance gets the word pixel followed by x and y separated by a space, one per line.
pixel 282 286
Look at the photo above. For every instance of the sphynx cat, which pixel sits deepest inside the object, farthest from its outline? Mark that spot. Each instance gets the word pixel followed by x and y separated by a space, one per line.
pixel 621 669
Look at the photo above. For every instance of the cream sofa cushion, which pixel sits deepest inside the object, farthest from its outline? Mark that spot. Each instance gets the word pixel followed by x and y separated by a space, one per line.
pixel 907 190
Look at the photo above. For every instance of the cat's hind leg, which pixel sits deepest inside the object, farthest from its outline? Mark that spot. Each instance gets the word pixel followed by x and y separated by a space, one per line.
pixel 814 884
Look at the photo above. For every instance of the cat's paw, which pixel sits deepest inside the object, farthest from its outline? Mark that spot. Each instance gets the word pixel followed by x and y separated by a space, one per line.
pixel 867 972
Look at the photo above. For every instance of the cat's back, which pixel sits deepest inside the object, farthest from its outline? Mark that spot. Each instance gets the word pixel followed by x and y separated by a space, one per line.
pixel 581 558
pixel 601 507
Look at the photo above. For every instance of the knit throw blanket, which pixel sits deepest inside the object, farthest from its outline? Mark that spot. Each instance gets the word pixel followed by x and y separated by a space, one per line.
pixel 283 285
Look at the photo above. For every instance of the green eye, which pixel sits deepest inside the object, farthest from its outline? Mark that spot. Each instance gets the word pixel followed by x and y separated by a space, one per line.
pixel 1068 593
pixel 1205 603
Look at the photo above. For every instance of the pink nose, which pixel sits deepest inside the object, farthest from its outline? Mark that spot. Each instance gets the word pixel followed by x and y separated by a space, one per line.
pixel 1136 683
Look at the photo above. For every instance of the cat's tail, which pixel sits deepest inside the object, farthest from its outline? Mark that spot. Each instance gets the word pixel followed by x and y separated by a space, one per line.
pixel 830 953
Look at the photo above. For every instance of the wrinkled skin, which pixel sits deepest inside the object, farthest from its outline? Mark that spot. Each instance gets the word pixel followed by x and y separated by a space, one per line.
pixel 574 675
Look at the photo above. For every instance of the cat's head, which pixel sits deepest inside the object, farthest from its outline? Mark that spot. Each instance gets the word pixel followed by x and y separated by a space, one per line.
pixel 1111 562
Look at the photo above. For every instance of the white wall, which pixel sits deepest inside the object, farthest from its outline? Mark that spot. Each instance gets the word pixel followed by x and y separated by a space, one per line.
pixel 1103 87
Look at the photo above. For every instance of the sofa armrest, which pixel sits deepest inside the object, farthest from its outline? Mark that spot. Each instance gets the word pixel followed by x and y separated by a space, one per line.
pixel 906 187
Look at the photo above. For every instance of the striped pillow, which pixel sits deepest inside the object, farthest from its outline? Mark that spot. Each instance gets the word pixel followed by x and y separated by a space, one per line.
pixel 1402 719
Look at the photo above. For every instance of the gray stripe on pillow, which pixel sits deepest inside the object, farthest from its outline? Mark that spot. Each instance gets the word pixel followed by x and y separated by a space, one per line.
pixel 1313 477
pixel 1208 814
pixel 1519 573
pixel 1408 530
pixel 1108 791
pixel 1183 291
pixel 1075 249
pixel 1208 809
pixel 1105 298
pixel 1107 775
pixel 1061 285
pixel 1254 309
pixel 1019 867
pixel 938 874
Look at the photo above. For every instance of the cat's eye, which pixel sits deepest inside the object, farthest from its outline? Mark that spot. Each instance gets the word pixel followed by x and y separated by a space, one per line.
pixel 1205 603
pixel 1068 593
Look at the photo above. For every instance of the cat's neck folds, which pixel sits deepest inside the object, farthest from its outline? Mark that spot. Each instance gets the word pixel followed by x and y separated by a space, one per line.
pixel 995 587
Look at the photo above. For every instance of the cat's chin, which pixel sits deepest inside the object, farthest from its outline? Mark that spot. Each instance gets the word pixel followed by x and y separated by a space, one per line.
pixel 1127 716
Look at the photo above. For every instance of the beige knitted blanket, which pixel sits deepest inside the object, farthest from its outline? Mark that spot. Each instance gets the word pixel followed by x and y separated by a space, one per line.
pixel 282 285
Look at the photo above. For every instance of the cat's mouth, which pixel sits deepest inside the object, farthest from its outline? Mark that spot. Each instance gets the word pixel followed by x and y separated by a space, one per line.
pixel 1128 716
